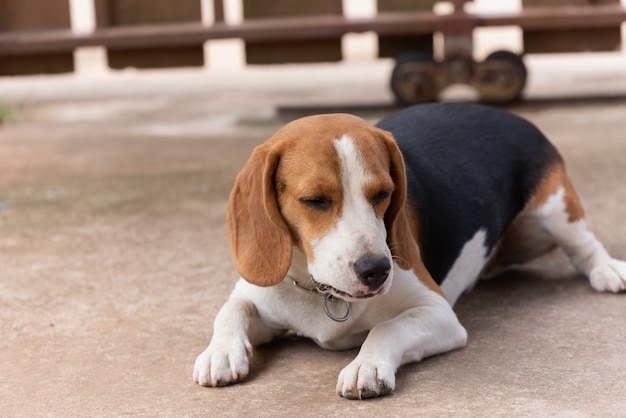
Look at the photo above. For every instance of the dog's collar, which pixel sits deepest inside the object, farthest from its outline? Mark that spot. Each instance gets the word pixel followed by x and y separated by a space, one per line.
pixel 328 298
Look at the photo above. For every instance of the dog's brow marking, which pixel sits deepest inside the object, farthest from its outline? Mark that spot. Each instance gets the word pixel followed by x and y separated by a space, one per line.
pixel 354 177
pixel 353 174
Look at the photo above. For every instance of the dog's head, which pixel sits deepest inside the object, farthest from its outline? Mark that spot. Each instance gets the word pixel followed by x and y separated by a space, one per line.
pixel 333 186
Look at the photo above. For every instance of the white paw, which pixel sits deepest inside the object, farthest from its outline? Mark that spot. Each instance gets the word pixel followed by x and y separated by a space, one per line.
pixel 609 277
pixel 222 363
pixel 365 378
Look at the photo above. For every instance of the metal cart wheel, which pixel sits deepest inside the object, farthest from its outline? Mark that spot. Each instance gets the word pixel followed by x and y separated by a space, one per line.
pixel 501 77
pixel 414 78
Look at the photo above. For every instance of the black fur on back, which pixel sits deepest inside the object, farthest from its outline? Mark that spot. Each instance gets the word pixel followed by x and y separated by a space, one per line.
pixel 468 167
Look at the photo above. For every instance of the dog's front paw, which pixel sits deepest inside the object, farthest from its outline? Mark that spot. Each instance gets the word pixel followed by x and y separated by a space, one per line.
pixel 222 363
pixel 609 277
pixel 366 378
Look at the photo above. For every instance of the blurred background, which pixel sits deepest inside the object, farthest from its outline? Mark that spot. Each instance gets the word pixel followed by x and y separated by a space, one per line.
pixel 416 48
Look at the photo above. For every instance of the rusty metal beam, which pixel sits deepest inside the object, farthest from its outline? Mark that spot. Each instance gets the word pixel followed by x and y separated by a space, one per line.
pixel 303 28
pixel 579 17
pixel 178 34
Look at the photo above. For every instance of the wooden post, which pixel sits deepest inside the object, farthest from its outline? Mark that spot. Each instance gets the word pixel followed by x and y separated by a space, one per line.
pixel 283 51
pixel 20 15
pixel 607 38
pixel 118 13
pixel 391 46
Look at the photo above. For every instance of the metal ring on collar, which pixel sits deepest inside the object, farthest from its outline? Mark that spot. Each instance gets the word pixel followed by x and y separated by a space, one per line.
pixel 330 298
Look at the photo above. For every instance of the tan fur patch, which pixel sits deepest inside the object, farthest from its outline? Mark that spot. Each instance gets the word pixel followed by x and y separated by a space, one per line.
pixel 309 170
pixel 555 178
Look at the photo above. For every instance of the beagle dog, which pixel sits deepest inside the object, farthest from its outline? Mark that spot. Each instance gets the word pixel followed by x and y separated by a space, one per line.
pixel 351 234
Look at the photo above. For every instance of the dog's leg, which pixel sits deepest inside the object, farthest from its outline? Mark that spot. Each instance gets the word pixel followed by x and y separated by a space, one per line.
pixel 428 328
pixel 237 327
pixel 562 216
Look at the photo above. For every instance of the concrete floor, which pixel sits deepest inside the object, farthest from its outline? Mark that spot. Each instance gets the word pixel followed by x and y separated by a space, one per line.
pixel 114 257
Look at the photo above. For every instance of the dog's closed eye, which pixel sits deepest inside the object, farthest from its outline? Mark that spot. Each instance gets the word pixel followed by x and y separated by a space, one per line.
pixel 380 197
pixel 317 202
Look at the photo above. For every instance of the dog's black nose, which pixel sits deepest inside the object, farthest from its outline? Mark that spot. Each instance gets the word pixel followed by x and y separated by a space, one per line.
pixel 372 270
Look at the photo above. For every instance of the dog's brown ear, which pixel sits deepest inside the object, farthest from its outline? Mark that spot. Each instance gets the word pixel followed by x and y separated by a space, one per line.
pixel 260 242
pixel 402 224
pixel 400 237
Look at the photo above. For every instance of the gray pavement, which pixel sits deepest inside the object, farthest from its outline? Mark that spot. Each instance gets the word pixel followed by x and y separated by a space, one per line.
pixel 114 257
